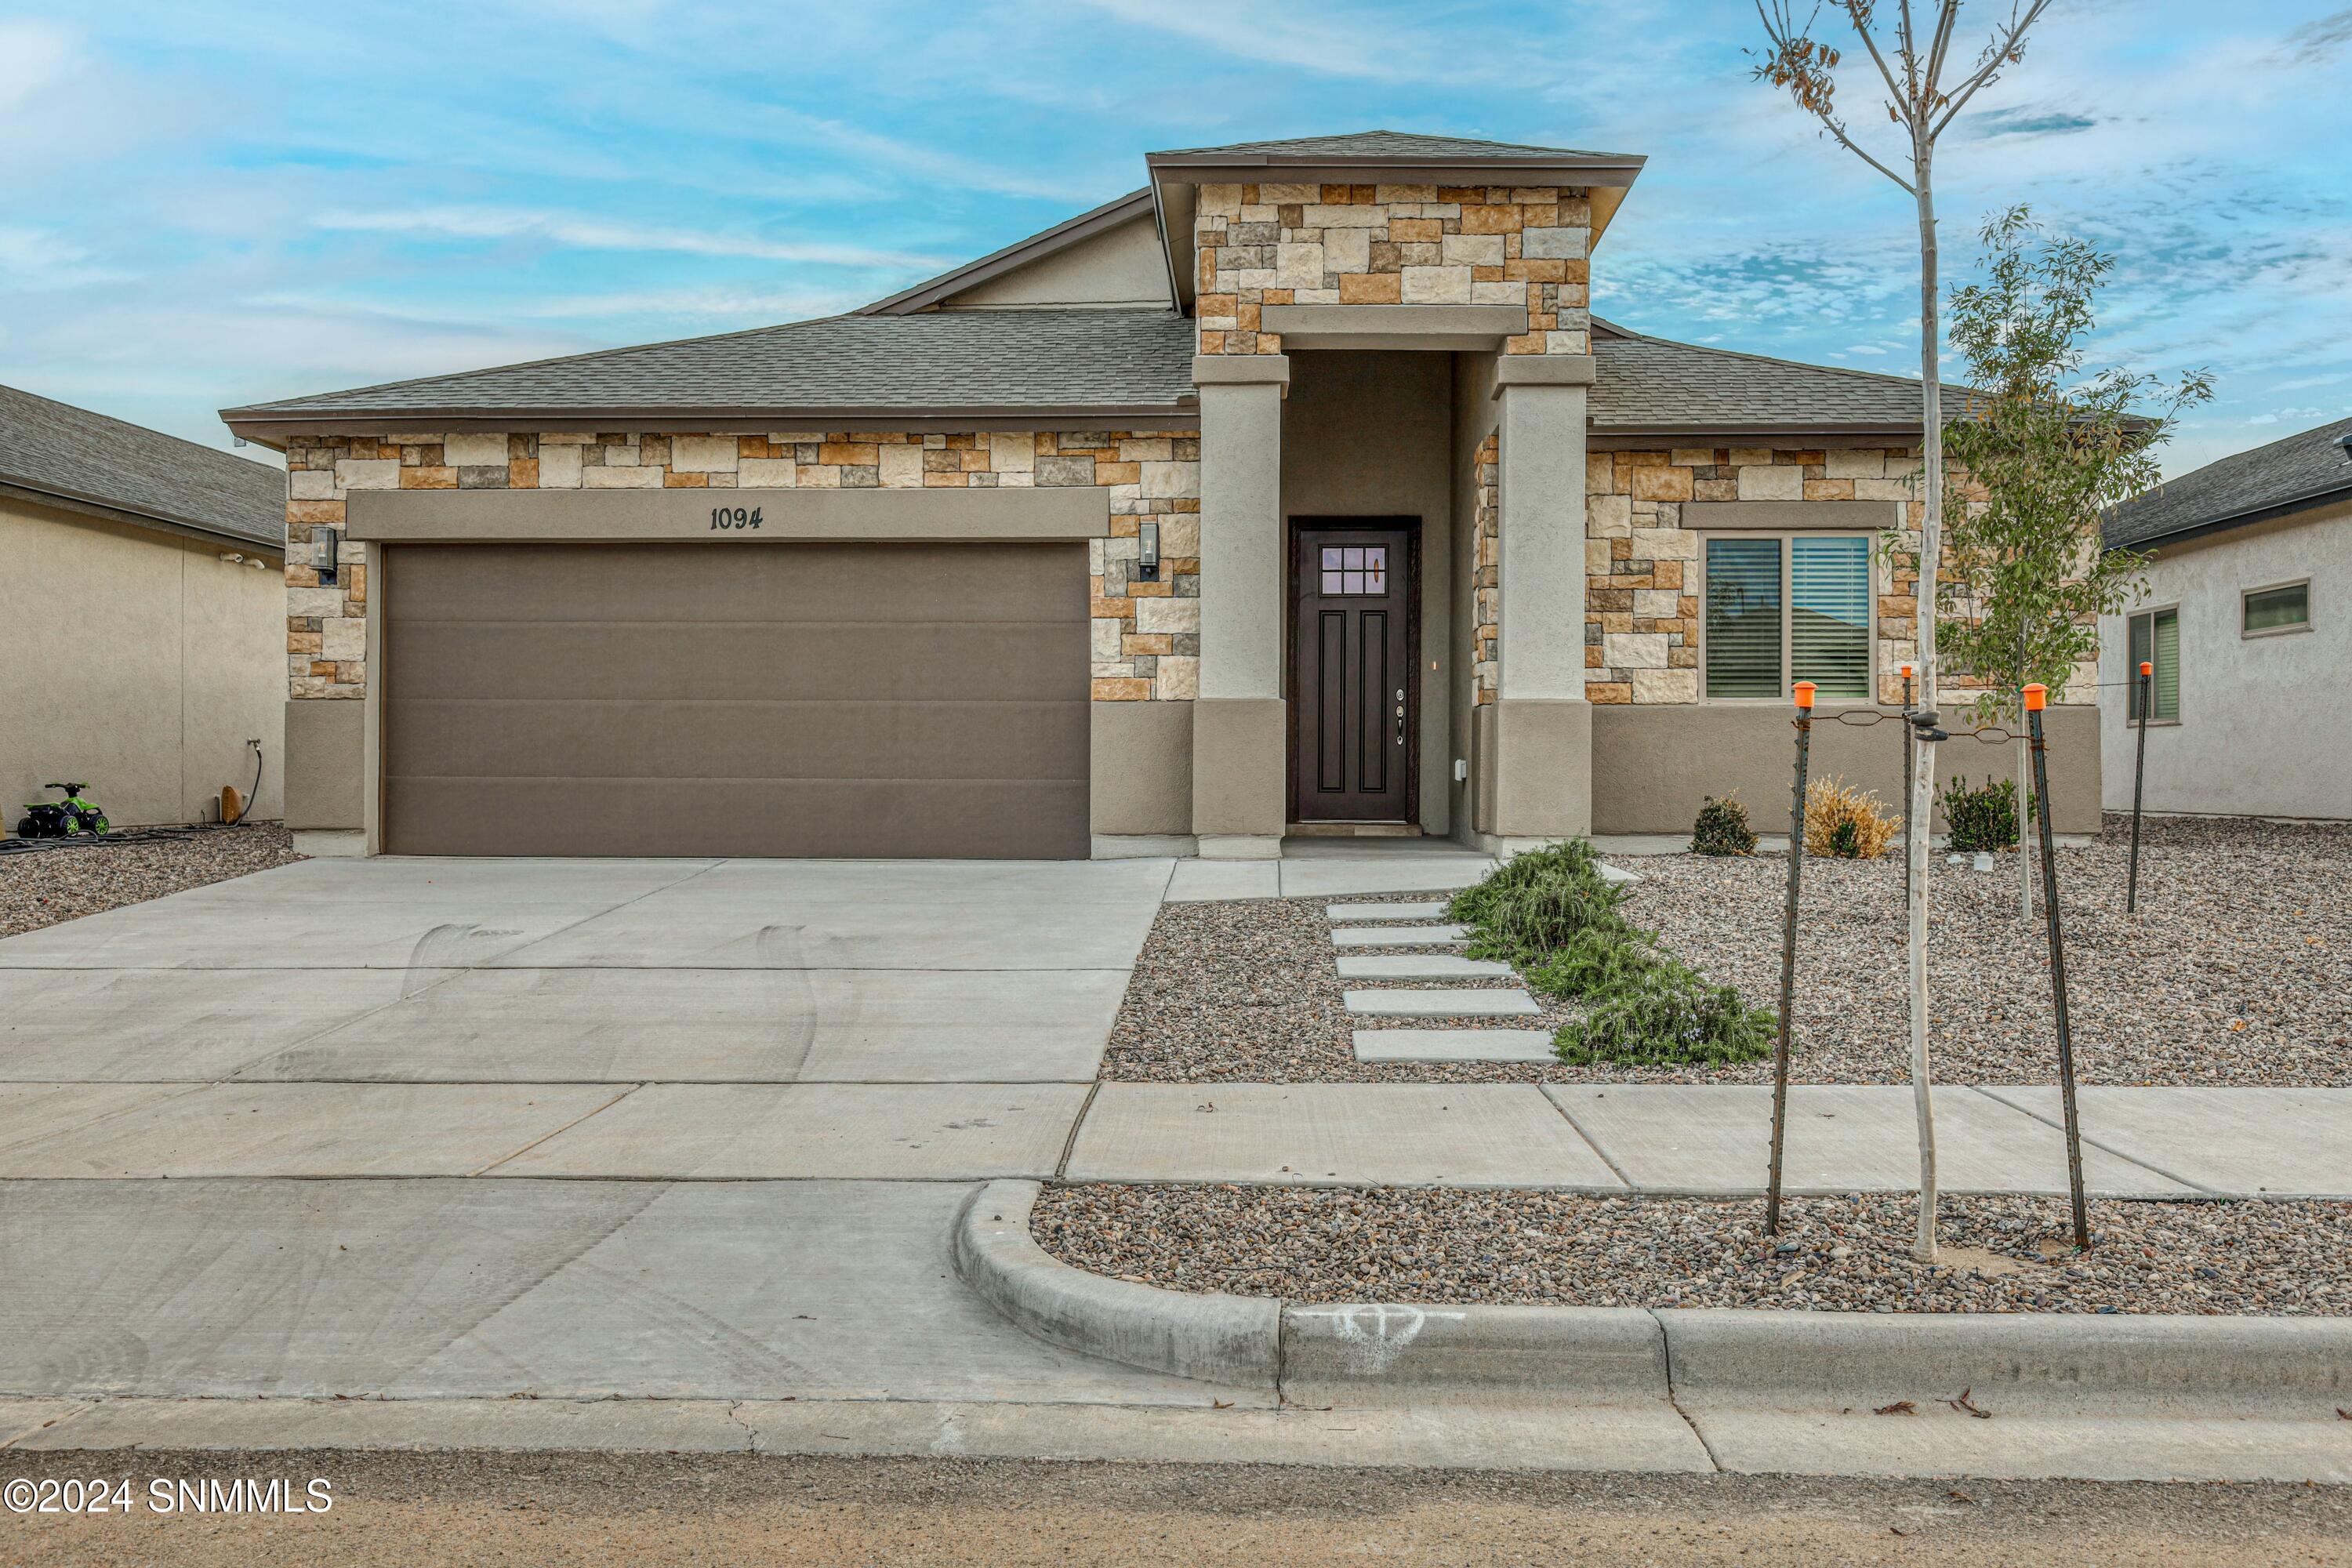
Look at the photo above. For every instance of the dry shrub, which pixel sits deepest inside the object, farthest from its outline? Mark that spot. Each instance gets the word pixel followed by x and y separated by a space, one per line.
pixel 1847 824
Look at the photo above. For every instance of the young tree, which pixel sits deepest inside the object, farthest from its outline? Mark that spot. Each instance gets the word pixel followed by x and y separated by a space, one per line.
pixel 1926 91
pixel 2050 448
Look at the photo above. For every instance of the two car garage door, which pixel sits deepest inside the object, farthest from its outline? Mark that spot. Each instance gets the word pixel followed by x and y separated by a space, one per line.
pixel 748 699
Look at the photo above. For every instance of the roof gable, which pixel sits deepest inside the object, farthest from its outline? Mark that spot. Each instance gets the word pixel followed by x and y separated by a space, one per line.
pixel 1095 231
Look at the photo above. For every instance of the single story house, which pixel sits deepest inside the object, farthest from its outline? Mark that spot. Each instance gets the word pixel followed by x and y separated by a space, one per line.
pixel 2250 571
pixel 1299 491
pixel 142 617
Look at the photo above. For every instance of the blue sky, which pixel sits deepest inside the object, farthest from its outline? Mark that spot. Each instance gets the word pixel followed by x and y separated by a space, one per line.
pixel 209 204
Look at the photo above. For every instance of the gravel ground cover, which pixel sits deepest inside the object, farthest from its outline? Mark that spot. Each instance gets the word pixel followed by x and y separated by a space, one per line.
pixel 1453 1245
pixel 41 888
pixel 2237 970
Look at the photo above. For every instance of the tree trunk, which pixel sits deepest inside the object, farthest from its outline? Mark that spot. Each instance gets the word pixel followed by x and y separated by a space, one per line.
pixel 1923 774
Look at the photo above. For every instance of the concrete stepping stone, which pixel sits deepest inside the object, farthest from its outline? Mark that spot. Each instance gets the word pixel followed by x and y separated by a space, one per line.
pixel 1430 911
pixel 1441 1004
pixel 1454 1045
pixel 1400 936
pixel 1421 966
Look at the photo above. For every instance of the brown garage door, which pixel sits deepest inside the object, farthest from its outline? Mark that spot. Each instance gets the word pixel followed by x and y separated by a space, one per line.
pixel 736 699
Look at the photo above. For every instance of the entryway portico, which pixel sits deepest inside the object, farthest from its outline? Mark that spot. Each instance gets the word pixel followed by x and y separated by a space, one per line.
pixel 1444 392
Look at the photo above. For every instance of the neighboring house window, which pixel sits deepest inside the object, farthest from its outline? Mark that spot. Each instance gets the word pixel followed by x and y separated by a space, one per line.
pixel 2155 639
pixel 2285 608
pixel 1782 608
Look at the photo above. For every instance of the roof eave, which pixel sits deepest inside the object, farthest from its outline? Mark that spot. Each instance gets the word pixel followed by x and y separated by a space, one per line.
pixel 92 506
pixel 1545 169
pixel 275 426
pixel 2243 519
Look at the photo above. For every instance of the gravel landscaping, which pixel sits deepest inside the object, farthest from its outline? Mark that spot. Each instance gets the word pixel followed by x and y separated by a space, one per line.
pixel 2237 970
pixel 43 886
pixel 1452 1245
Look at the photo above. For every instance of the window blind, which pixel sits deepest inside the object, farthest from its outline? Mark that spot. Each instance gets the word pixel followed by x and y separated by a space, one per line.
pixel 1743 617
pixel 2167 664
pixel 2155 639
pixel 1829 615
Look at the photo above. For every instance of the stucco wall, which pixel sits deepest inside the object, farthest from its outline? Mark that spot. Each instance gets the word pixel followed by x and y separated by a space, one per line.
pixel 138 660
pixel 2260 732
pixel 1367 435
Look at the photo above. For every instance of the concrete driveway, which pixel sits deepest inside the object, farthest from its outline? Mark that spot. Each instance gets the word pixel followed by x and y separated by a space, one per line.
pixel 292 1134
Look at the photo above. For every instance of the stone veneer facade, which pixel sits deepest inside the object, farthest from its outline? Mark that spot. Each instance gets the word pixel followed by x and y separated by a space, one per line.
pixel 1393 244
pixel 1641 600
pixel 1146 635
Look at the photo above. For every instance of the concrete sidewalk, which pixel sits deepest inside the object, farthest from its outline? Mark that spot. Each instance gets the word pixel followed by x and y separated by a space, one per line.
pixel 1713 1140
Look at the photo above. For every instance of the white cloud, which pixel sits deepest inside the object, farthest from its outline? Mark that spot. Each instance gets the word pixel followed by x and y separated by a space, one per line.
pixel 33 55
pixel 594 234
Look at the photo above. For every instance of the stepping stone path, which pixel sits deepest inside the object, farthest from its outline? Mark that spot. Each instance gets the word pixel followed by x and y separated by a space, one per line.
pixel 1432 911
pixel 1449 1004
pixel 1429 1045
pixel 1421 966
pixel 1454 1045
pixel 1400 936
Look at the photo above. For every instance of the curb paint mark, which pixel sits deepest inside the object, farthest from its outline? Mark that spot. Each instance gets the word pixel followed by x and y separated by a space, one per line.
pixel 1373 1334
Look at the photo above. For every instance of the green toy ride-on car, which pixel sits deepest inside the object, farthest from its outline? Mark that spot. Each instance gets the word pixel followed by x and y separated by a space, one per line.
pixel 64 818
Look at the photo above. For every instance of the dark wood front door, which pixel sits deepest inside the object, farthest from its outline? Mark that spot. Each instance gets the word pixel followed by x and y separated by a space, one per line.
pixel 1351 673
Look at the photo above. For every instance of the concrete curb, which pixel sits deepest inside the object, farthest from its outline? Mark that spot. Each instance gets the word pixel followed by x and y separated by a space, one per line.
pixel 1363 1352
pixel 2051 1363
pixel 1579 1355
pixel 1235 1339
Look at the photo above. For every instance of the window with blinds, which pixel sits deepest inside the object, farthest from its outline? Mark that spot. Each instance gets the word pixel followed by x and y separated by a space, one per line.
pixel 2155 639
pixel 1785 609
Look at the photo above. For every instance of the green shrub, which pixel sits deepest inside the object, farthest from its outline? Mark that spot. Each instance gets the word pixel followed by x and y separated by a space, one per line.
pixel 1984 817
pixel 1722 828
pixel 1551 913
pixel 1673 1018
pixel 1535 902
pixel 1597 961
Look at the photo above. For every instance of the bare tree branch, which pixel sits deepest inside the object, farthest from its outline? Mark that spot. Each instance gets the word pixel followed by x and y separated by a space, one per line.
pixel 1999 52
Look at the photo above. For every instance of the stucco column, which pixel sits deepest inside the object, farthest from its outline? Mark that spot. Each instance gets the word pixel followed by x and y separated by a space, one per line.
pixel 1239 732
pixel 1543 726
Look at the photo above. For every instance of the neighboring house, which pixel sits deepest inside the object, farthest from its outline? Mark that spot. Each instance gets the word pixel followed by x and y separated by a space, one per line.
pixel 2244 619
pixel 142 615
pixel 1296 490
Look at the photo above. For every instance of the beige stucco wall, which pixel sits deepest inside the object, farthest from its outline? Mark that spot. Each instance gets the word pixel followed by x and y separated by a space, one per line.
pixel 138 660
pixel 1121 265
pixel 2260 732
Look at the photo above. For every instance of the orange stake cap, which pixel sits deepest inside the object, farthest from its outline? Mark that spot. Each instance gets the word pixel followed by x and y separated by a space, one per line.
pixel 1805 695
pixel 1907 672
pixel 2146 669
pixel 2037 696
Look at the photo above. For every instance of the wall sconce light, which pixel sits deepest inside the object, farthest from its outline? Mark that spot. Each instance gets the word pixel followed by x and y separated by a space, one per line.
pixel 323 541
pixel 1146 555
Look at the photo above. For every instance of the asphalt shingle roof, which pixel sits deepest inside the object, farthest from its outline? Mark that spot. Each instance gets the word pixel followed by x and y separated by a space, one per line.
pixel 1652 384
pixel 58 449
pixel 1376 145
pixel 2298 468
pixel 940 364
pixel 947 362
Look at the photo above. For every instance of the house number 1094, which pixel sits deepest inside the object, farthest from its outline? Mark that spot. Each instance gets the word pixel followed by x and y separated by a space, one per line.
pixel 734 517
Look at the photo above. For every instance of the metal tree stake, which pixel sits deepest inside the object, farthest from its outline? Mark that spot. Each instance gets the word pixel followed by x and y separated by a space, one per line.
pixel 1907 826
pixel 1804 693
pixel 2139 775
pixel 2036 695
